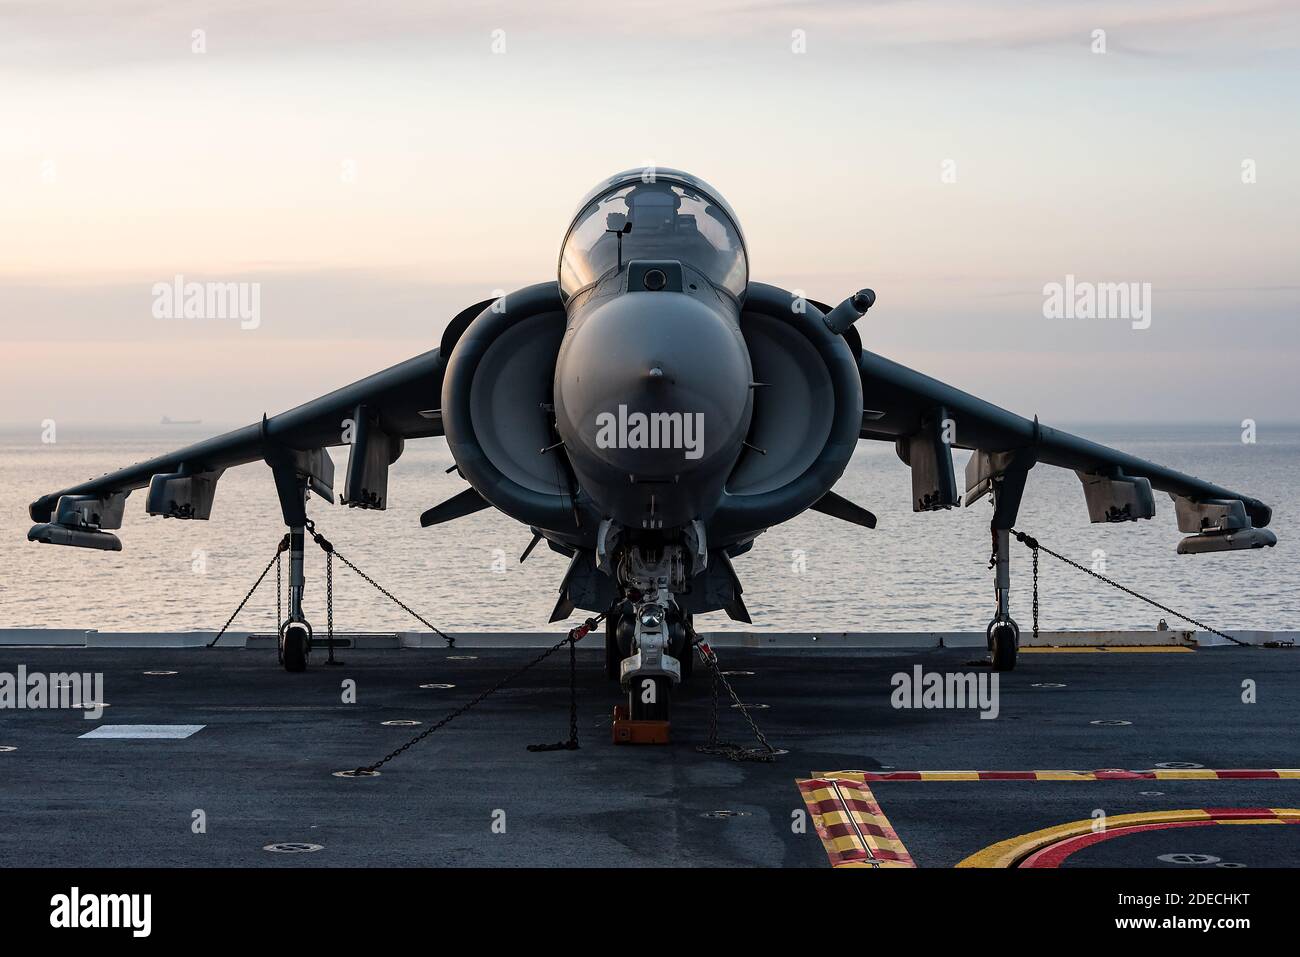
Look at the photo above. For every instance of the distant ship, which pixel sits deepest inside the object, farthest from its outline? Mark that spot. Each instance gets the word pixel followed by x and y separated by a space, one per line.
pixel 168 421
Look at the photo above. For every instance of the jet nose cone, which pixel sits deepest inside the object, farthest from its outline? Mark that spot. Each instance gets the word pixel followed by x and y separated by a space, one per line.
pixel 655 385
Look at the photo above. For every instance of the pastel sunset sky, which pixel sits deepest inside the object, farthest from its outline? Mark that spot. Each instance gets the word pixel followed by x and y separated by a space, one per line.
pixel 378 166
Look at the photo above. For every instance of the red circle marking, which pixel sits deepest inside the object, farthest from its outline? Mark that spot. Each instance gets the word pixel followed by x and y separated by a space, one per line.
pixel 1055 854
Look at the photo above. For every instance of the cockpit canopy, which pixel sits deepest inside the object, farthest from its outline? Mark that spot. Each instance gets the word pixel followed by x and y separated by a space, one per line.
pixel 671 215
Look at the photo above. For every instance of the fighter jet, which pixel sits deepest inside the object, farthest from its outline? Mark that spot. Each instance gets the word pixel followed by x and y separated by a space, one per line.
pixel 649 414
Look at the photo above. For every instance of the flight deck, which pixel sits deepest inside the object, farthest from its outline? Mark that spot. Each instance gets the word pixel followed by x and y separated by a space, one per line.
pixel 1112 757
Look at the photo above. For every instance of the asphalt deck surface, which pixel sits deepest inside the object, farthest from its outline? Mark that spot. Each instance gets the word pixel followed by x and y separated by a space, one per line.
pixel 261 768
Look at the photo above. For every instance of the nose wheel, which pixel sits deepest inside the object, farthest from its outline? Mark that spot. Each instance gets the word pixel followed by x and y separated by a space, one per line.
pixel 618 642
pixel 650 699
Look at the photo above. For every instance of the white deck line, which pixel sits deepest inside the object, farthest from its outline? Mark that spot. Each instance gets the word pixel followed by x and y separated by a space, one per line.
pixel 144 731
pixel 827 640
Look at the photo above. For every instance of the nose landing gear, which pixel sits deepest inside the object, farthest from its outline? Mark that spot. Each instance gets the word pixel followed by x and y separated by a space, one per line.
pixel 647 647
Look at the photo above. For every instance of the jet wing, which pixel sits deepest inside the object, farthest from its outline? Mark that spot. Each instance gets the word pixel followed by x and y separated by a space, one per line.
pixel 374 416
pixel 926 417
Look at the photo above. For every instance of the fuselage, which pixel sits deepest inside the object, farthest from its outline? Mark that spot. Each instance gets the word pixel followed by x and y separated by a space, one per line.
pixel 652 396
pixel 653 386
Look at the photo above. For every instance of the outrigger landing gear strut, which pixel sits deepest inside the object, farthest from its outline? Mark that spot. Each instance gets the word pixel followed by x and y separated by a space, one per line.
pixel 295 634
pixel 292 484
pixel 1003 633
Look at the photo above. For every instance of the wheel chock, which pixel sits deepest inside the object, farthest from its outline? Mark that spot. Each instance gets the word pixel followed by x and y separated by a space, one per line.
pixel 627 731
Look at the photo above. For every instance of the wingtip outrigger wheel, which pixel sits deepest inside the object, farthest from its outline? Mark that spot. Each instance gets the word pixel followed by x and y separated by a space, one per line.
pixel 295 644
pixel 1004 643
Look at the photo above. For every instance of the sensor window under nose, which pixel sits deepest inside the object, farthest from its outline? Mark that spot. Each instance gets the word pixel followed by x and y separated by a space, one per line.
pixel 654 275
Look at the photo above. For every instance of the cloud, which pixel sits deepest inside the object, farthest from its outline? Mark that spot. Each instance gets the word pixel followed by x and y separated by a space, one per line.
pixel 75 34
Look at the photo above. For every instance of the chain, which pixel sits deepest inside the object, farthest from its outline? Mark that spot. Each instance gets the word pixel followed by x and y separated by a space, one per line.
pixel 1033 544
pixel 573 692
pixel 576 635
pixel 279 593
pixel 732 751
pixel 284 544
pixel 1035 550
pixel 329 605
pixel 713 708
pixel 572 743
pixel 329 549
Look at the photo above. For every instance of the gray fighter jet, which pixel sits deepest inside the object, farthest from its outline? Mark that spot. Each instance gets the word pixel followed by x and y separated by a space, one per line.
pixel 650 414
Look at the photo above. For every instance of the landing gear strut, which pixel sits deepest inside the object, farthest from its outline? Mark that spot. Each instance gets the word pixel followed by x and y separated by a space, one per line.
pixel 647 640
pixel 295 634
pixel 1003 633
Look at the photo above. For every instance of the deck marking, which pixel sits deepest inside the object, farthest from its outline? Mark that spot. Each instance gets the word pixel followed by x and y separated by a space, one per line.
pixel 1019 851
pixel 851 825
pixel 1108 649
pixel 152 731
pixel 1104 774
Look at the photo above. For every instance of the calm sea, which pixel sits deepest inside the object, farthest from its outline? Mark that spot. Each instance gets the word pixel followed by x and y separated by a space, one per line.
pixel 914 572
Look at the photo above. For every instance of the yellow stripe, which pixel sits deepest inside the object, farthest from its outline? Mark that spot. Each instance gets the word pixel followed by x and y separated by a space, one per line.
pixel 1066 776
pixel 1150 649
pixel 1255 820
pixel 820 794
pixel 877 864
pixel 1160 774
pixel 1081 650
pixel 1007 853
pixel 1116 649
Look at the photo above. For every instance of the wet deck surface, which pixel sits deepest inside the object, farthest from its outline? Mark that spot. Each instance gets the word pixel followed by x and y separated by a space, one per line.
pixel 260 769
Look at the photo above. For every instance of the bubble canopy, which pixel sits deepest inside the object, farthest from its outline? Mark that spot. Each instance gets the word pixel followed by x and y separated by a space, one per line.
pixel 672 215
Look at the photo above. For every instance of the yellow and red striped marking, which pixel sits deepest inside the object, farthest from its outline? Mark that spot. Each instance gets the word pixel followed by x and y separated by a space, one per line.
pixel 853 829
pixel 1103 774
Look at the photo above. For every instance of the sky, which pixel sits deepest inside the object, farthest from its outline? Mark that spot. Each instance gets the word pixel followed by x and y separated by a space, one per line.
pixel 376 167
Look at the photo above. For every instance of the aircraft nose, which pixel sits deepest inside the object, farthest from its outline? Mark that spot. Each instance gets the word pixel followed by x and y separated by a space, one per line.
pixel 655 385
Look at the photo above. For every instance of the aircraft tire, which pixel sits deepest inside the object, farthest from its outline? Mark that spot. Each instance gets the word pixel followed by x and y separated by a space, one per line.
pixel 295 641
pixel 656 710
pixel 1004 640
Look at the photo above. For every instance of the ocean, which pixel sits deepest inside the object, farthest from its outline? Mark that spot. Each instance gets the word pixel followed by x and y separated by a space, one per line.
pixel 915 572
